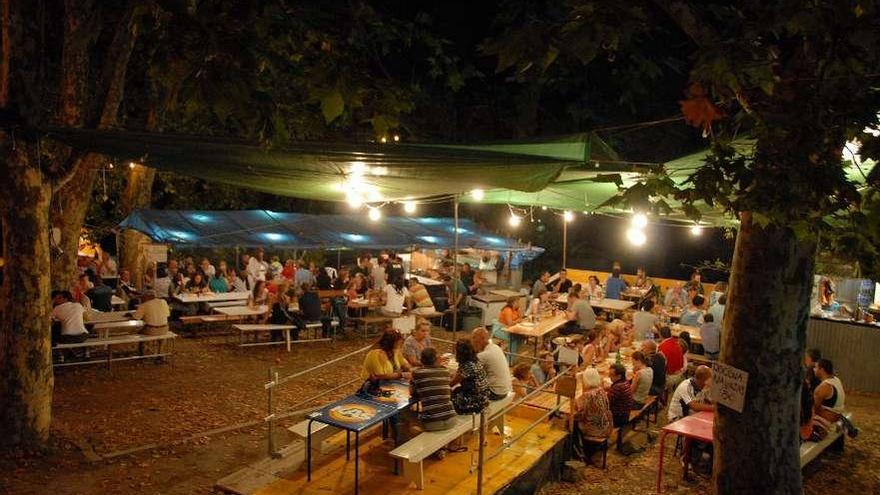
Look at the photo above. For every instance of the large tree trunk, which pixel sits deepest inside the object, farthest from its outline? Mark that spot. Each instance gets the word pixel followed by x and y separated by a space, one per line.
pixel 757 451
pixel 70 205
pixel 137 195
pixel 26 379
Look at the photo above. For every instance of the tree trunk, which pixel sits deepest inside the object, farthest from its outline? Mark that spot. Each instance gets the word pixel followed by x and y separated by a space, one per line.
pixel 138 194
pixel 26 379
pixel 757 451
pixel 69 209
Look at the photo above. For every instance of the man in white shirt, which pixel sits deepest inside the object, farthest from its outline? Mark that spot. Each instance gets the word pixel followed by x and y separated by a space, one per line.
pixel 256 268
pixel 154 312
pixel 691 396
pixel 717 309
pixel 71 328
pixel 493 360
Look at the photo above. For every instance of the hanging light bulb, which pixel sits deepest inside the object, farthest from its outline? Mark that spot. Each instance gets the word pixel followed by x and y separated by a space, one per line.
pixel 636 237
pixel 696 230
pixel 478 194
pixel 544 208
pixel 110 166
pixel 354 200
pixel 514 220
pixel 384 139
pixel 409 206
pixel 640 220
pixel 567 216
pixel 396 138
pixel 375 214
pixel 131 165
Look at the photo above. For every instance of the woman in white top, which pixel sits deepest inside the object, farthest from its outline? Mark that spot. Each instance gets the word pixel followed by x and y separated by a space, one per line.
pixel 394 298
pixel 643 375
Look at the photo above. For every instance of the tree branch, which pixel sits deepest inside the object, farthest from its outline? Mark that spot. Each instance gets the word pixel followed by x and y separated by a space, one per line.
pixel 681 13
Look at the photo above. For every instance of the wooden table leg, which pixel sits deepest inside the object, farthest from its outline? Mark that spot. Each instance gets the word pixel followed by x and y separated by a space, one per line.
pixel 287 338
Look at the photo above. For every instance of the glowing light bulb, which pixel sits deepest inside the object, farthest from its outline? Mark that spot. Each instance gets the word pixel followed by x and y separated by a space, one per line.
pixel 396 138
pixel 478 194
pixel 544 208
pixel 409 206
pixel 355 201
pixel 567 216
pixel 384 139
pixel 636 237
pixel 514 220
pixel 131 165
pixel 110 166
pixel 696 230
pixel 375 214
pixel 640 220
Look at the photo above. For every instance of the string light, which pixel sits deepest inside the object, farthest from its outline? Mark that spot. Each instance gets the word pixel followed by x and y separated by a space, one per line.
pixel 354 201
pixel 478 194
pixel 384 139
pixel 636 236
pixel 110 166
pixel 514 220
pixel 639 221
pixel 567 216
pixel 409 206
pixel 374 214
pixel 396 138
pixel 544 208
pixel 131 165
pixel 696 230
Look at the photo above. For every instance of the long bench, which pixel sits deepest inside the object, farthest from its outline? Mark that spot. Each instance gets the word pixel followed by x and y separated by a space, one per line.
pixel 244 329
pixel 811 450
pixel 414 452
pixel 110 342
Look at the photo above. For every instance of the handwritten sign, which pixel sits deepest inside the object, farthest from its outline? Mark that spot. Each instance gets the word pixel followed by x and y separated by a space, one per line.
pixel 157 253
pixel 729 386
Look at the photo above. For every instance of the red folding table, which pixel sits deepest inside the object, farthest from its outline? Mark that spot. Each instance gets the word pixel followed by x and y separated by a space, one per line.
pixel 695 427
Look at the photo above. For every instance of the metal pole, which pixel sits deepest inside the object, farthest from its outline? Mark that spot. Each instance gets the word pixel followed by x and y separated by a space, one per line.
pixel 564 242
pixel 455 271
pixel 338 259
pixel 270 410
pixel 482 455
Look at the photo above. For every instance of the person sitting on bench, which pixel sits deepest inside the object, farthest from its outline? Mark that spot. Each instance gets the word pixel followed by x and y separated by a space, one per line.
pixel 495 363
pixel 310 309
pixel 430 387
pixel 69 315
pixel 829 399
pixel 620 397
pixel 154 311
pixel 580 315
pixel 544 369
pixel 643 377
pixel 691 395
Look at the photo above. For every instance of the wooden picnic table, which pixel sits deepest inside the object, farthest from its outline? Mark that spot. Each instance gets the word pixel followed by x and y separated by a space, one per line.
pixel 614 305
pixel 634 293
pixel 696 337
pixel 106 316
pixel 117 301
pixel 547 400
pixel 242 311
pixel 130 326
pixel 212 297
pixel 506 293
pixel 538 329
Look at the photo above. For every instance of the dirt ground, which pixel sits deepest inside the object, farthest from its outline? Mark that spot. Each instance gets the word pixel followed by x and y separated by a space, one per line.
pixel 213 385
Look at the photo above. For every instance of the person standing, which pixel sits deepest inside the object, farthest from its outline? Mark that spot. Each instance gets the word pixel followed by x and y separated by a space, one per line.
pixel 614 285
pixel 256 268
pixel 710 333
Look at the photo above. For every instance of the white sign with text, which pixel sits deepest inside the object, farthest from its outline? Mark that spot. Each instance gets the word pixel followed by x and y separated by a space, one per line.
pixel 729 386
pixel 157 253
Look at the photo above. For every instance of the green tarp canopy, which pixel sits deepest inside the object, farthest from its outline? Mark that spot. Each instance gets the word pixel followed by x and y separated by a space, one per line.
pixel 319 171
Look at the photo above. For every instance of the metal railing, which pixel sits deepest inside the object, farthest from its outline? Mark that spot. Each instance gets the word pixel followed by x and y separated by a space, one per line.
pixel 296 409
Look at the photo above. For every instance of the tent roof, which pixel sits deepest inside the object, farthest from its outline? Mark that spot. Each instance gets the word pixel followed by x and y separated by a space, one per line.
pixel 318 170
pixel 250 228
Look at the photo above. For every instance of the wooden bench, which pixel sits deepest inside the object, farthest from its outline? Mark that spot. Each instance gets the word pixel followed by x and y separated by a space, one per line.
pixel 370 321
pixel 111 342
pixel 223 304
pixel 835 437
pixel 636 415
pixel 321 433
pixel 414 452
pixel 695 360
pixel 285 329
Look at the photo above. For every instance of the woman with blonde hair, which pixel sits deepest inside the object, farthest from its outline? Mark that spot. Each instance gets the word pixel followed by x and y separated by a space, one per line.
pixel 592 412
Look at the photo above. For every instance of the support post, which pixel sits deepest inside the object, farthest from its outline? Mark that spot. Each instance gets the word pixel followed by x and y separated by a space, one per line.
pixel 455 270
pixel 481 459
pixel 564 242
pixel 270 412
